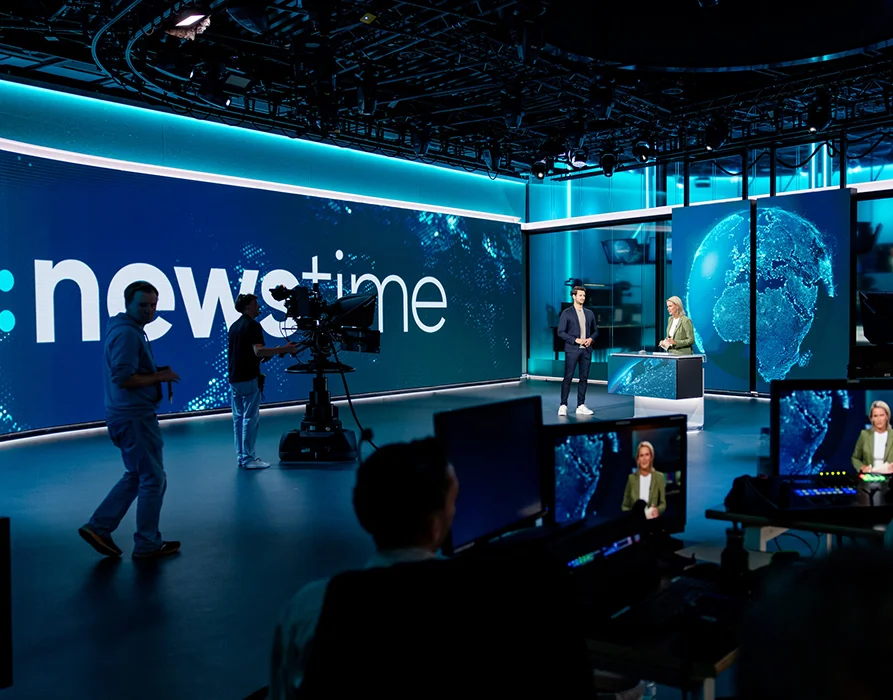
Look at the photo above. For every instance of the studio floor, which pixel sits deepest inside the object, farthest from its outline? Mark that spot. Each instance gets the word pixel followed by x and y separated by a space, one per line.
pixel 199 625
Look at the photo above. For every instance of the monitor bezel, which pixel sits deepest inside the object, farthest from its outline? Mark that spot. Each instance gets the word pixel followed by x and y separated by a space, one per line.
pixel 779 386
pixel 448 548
pixel 563 430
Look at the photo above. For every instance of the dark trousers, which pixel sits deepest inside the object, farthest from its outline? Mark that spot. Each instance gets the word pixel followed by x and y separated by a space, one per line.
pixel 583 357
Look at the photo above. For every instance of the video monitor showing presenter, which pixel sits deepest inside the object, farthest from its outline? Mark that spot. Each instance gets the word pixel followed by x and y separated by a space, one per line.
pixel 831 427
pixel 615 469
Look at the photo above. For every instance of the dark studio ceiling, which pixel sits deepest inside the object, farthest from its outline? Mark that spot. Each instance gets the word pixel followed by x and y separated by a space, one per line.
pixel 488 85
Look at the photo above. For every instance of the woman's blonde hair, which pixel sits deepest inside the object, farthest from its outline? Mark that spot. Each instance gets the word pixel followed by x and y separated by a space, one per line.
pixel 649 447
pixel 883 406
pixel 678 302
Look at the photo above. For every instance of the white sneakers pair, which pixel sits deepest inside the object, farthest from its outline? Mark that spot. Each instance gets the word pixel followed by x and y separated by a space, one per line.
pixel 582 410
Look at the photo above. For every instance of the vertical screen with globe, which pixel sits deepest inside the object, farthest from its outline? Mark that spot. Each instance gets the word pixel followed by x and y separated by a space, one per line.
pixel 803 282
pixel 711 274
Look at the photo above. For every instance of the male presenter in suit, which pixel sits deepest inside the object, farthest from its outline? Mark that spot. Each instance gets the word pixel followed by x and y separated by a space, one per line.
pixel 576 328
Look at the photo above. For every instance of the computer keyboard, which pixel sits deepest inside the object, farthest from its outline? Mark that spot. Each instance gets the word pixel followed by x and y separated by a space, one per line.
pixel 680 598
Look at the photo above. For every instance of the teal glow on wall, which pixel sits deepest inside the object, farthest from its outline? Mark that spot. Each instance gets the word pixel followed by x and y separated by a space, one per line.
pixel 95 127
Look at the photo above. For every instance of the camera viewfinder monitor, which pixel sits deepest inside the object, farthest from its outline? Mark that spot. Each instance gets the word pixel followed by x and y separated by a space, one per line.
pixel 594 462
pixel 816 424
pixel 495 450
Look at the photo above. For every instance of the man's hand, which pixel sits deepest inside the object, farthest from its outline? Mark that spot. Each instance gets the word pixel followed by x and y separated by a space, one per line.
pixel 289 348
pixel 586 343
pixel 167 375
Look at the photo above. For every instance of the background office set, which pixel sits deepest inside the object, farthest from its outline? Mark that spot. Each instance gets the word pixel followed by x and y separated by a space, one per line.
pixel 534 153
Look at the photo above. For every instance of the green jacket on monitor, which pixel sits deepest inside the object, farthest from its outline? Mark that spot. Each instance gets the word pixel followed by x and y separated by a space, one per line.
pixel 684 335
pixel 657 494
pixel 863 455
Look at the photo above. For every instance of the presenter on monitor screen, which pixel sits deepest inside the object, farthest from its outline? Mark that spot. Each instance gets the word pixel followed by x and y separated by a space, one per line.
pixel 646 484
pixel 680 333
pixel 874 448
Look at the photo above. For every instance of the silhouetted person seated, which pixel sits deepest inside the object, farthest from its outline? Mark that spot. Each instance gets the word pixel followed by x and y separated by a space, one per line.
pixel 405 497
pixel 822 631
pixel 417 625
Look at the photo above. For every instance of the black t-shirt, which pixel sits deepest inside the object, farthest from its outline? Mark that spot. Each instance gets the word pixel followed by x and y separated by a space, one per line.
pixel 243 364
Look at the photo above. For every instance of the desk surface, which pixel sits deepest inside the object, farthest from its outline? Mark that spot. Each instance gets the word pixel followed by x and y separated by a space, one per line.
pixel 680 655
pixel 792 522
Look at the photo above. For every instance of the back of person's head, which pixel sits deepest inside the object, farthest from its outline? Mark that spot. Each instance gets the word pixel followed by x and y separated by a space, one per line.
pixel 405 495
pixel 822 631
pixel 242 302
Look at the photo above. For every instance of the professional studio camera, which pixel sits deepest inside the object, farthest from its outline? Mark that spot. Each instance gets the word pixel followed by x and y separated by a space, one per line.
pixel 326 328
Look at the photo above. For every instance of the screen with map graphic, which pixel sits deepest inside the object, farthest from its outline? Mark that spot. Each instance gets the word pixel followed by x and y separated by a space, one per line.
pixel 803 286
pixel 73 236
pixel 593 463
pixel 711 274
pixel 817 425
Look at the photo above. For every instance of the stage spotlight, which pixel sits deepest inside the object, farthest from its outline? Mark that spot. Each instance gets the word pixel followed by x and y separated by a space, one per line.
pixel 188 23
pixel 818 114
pixel 420 139
pixel 367 92
pixel 608 161
pixel 539 170
pixel 643 150
pixel 716 133
pixel 491 155
pixel 512 109
pixel 578 158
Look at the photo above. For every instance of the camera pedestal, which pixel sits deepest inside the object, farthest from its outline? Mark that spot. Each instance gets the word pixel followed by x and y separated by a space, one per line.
pixel 321 437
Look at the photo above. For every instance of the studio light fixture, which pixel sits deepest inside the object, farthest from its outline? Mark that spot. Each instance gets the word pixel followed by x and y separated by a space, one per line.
pixel 818 114
pixel 608 160
pixel 539 169
pixel 643 150
pixel 716 133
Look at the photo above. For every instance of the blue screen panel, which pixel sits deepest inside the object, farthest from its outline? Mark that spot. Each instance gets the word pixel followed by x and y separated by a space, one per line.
pixel 711 274
pixel 73 236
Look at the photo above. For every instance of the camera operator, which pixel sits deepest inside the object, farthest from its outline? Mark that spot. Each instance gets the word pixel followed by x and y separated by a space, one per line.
pixel 245 352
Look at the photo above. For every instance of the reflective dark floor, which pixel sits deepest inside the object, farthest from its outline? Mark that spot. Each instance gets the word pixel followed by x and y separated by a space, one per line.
pixel 199 625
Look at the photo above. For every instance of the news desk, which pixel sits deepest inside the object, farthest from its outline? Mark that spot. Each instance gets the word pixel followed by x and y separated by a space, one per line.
pixel 661 383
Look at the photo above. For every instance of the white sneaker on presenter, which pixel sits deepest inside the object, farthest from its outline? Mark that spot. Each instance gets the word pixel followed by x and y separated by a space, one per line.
pixel 583 410
pixel 562 410
pixel 256 464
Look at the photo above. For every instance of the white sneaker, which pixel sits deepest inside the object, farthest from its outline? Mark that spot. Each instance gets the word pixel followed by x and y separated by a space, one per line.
pixel 256 464
pixel 562 410
pixel 582 410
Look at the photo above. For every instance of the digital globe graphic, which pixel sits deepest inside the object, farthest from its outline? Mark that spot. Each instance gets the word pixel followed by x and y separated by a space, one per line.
pixel 803 420
pixel 794 266
pixel 651 376
pixel 578 466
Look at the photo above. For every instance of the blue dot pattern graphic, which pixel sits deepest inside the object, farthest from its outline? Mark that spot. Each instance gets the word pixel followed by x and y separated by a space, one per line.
pixel 7 321
pixel 6 280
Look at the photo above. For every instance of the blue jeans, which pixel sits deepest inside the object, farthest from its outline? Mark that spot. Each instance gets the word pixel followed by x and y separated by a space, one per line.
pixel 246 415
pixel 140 442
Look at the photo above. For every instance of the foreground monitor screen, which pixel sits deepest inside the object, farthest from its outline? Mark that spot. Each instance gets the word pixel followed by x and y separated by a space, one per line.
pixel 495 450
pixel 596 474
pixel 817 425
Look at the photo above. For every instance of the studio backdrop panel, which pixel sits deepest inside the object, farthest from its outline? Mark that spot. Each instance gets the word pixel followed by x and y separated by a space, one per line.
pixel 72 237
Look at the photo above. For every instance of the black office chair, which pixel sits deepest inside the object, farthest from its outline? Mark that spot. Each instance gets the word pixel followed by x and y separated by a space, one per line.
pixel 500 626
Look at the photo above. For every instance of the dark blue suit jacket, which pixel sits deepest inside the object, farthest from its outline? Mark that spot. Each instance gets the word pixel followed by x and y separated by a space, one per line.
pixel 569 328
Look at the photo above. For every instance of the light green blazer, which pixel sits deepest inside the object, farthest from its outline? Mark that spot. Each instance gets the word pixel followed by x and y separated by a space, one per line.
pixel 863 455
pixel 657 494
pixel 684 336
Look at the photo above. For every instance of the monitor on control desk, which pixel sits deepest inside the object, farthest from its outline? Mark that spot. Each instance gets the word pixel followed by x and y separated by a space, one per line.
pixel 496 452
pixel 592 464
pixel 817 425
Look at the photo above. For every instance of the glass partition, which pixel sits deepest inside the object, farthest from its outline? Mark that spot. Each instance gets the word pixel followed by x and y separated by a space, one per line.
pixel 618 267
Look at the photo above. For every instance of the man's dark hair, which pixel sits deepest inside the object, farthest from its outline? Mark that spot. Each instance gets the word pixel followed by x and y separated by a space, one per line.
pixel 243 300
pixel 398 488
pixel 576 289
pixel 138 286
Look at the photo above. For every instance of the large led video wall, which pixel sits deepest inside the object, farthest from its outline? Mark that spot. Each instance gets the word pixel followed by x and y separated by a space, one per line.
pixel 803 286
pixel 711 274
pixel 73 236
